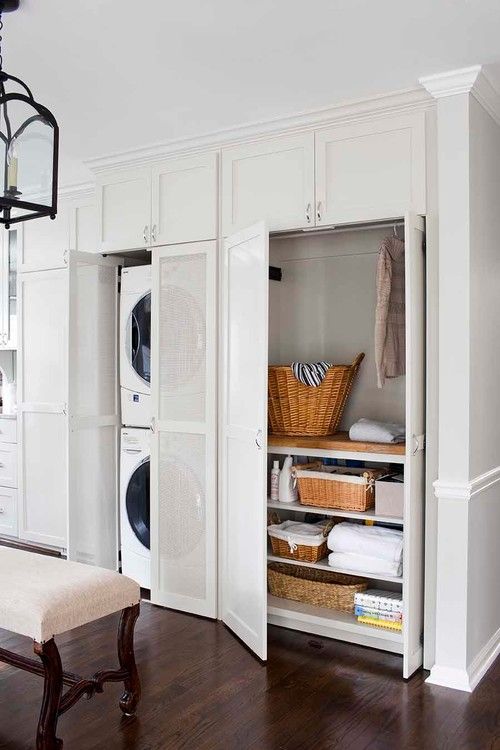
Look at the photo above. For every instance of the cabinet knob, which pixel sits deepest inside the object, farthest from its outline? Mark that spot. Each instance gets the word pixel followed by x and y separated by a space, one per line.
pixel 308 213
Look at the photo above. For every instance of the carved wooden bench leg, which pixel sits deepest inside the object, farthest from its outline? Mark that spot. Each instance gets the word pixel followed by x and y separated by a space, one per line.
pixel 132 693
pixel 52 691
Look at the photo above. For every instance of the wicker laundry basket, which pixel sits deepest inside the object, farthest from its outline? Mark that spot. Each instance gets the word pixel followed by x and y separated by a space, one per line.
pixel 292 548
pixel 298 409
pixel 337 487
pixel 312 586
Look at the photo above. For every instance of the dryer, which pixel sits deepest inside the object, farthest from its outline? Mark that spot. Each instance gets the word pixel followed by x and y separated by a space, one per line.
pixel 135 505
pixel 135 346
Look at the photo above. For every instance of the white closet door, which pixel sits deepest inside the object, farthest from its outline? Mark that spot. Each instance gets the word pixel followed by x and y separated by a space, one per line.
pixel 271 179
pixel 93 410
pixel 184 200
pixel 44 243
pixel 413 565
pixel 183 445
pixel 244 436
pixel 42 407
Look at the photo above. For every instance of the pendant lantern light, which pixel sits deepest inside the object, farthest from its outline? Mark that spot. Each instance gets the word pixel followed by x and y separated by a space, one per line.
pixel 29 146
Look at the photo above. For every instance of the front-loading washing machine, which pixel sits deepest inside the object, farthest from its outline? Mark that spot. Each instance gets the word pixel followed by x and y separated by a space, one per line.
pixel 135 505
pixel 135 346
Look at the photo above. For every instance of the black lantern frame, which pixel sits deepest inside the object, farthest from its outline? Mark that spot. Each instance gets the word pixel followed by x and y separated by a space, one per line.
pixel 10 197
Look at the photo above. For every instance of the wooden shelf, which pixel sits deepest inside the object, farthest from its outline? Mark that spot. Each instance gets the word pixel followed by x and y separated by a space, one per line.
pixel 331 623
pixel 323 565
pixel 362 516
pixel 337 446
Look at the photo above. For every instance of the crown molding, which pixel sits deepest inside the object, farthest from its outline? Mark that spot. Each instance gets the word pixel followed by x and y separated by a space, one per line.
pixel 466 490
pixel 400 102
pixel 77 191
pixel 473 80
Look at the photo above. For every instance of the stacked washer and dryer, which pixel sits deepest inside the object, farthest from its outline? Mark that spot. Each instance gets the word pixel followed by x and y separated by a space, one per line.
pixel 135 382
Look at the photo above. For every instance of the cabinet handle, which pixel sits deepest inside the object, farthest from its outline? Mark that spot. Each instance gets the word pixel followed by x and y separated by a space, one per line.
pixel 2 510
pixel 152 426
pixel 308 213
pixel 318 211
pixel 145 233
pixel 259 439
pixel 153 233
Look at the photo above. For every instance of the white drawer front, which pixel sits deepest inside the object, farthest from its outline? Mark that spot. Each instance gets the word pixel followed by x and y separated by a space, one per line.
pixel 8 511
pixel 8 465
pixel 8 430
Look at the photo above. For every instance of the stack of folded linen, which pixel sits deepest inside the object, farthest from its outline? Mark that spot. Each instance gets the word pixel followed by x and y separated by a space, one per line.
pixel 384 609
pixel 366 549
pixel 371 431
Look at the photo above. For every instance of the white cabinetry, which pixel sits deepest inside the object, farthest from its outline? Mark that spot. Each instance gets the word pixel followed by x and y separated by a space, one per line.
pixel 270 179
pixel 183 442
pixel 68 410
pixel 370 170
pixel 8 476
pixel 172 201
pixel 244 455
pixel 45 242
pixel 340 174
pixel 8 287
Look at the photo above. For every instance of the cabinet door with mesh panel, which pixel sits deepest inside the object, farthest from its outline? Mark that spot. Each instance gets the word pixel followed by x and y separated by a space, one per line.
pixel 183 451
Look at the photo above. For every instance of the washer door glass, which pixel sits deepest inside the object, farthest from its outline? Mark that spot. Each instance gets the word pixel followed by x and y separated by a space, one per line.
pixel 140 338
pixel 137 503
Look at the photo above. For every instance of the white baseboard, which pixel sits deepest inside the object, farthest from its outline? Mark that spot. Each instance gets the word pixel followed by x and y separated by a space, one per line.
pixel 467 679
pixel 484 659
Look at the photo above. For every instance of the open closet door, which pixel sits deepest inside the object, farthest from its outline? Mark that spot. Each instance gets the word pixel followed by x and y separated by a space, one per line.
pixel 184 430
pixel 93 409
pixel 244 436
pixel 413 570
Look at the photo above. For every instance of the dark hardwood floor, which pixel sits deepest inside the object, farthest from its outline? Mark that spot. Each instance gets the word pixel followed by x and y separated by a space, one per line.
pixel 203 691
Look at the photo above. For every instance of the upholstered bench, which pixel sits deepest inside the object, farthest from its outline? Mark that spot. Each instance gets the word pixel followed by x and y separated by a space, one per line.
pixel 41 597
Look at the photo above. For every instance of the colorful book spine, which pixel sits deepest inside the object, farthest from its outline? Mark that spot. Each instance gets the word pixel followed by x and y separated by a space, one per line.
pixel 381 623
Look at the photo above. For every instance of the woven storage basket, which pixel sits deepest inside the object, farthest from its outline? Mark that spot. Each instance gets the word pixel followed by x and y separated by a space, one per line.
pixel 303 552
pixel 298 409
pixel 337 487
pixel 319 587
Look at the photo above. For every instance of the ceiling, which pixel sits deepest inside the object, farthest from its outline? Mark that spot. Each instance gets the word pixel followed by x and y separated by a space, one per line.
pixel 121 75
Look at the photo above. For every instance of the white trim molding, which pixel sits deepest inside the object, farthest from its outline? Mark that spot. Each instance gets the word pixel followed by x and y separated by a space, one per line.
pixel 445 490
pixel 473 80
pixel 399 102
pixel 467 679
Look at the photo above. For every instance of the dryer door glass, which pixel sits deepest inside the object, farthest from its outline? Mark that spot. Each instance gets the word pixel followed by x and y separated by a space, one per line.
pixel 137 503
pixel 140 343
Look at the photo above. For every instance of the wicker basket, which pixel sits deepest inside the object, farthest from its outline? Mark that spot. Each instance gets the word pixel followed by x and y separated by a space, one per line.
pixel 338 487
pixel 298 409
pixel 303 552
pixel 318 587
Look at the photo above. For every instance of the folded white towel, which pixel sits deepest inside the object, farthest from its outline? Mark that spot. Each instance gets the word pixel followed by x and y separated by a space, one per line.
pixel 374 541
pixel 364 564
pixel 370 431
pixel 310 534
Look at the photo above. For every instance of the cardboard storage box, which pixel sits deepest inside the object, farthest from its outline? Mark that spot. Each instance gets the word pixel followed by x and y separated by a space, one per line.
pixel 389 496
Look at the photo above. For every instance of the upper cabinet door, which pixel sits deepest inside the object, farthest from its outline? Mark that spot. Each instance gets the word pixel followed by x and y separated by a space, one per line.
pixel 271 180
pixel 244 436
pixel 184 200
pixel 44 243
pixel 84 228
pixel 124 209
pixel 370 170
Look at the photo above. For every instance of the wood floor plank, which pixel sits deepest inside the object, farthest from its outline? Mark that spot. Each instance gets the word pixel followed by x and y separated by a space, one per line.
pixel 202 690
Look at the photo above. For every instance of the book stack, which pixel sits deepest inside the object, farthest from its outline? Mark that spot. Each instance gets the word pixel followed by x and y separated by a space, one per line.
pixel 383 609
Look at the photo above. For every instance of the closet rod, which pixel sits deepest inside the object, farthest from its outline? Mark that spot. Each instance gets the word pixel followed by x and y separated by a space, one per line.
pixel 328 257
pixel 336 230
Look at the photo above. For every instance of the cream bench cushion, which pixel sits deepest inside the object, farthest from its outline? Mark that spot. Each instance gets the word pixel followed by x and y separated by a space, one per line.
pixel 43 596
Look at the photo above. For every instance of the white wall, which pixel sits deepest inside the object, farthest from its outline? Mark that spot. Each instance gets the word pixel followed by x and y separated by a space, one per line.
pixel 468 487
pixel 324 308
pixel 483 619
